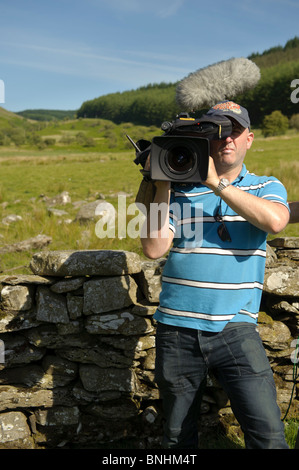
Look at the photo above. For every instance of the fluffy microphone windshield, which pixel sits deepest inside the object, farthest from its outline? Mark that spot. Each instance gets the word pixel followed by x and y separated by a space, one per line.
pixel 217 82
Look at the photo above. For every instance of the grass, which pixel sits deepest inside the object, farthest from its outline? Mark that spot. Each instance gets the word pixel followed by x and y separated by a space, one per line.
pixel 291 432
pixel 26 176
pixel 27 172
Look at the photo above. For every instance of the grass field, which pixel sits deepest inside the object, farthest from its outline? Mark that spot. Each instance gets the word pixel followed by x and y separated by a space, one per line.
pixel 28 172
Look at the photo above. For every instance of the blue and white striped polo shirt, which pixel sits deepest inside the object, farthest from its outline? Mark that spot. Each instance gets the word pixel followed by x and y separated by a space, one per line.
pixel 208 282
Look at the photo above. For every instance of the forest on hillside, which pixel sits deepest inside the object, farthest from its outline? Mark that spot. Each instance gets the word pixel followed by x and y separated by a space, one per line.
pixel 155 103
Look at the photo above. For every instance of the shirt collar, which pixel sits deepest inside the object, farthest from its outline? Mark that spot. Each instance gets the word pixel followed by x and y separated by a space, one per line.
pixel 242 173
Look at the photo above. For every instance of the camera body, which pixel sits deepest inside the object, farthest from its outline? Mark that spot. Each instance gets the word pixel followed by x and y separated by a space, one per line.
pixel 182 153
pixel 179 158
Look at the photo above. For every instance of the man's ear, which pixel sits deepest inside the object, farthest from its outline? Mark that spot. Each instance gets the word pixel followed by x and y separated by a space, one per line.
pixel 250 138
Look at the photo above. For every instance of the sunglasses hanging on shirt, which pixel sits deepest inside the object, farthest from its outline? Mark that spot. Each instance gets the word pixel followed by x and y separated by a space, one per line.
pixel 222 231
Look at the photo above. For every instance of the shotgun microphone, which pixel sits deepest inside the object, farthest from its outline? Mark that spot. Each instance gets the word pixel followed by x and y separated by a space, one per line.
pixel 218 82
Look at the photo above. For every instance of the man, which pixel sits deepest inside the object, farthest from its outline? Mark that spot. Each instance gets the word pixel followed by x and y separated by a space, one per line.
pixel 211 292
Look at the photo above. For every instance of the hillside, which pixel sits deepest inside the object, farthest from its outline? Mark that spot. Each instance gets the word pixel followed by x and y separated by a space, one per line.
pixel 47 114
pixel 8 116
pixel 67 135
pixel 156 102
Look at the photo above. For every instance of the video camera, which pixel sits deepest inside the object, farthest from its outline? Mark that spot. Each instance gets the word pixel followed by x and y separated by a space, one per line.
pixel 181 154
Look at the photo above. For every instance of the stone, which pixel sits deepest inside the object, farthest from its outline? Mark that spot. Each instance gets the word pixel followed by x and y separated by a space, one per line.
pixel 86 212
pixel 144 309
pixel 285 242
pixel 60 199
pixel 73 328
pixel 10 219
pixel 57 212
pixel 271 256
pixel 24 375
pixel 25 279
pixel 282 307
pixel 58 416
pixel 122 322
pixel 36 376
pixel 146 342
pixel 35 243
pixel 276 334
pixel 97 379
pixel 85 263
pixel 100 356
pixel 149 362
pixel 51 307
pixel 150 414
pixel 74 306
pixel 150 279
pixel 288 253
pixel 14 429
pixel 67 285
pixel 282 280
pixel 123 409
pixel 16 298
pixel 84 396
pixel 12 320
pixel 19 351
pixel 47 336
pixel 12 397
pixel 109 293
pixel 58 371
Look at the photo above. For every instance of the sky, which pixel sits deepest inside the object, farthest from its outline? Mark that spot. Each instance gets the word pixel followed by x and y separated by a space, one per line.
pixel 57 54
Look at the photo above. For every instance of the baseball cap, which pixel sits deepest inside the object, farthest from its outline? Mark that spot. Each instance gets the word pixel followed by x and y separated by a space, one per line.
pixel 231 109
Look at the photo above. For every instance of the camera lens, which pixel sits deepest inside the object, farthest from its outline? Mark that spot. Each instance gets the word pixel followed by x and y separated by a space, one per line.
pixel 180 159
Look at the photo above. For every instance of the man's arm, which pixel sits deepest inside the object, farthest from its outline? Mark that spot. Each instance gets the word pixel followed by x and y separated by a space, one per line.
pixel 267 215
pixel 294 208
pixel 158 238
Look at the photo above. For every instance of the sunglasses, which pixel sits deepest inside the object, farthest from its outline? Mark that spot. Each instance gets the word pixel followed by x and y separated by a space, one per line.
pixel 222 231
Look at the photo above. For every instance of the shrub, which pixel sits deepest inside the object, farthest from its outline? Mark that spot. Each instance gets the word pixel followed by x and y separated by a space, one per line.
pixel 84 140
pixel 294 122
pixel 275 124
pixel 50 141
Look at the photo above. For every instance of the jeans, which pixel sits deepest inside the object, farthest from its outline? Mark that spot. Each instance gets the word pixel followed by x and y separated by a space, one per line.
pixel 238 360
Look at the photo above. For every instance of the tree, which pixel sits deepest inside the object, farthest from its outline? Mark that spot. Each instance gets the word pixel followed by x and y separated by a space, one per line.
pixel 294 122
pixel 275 124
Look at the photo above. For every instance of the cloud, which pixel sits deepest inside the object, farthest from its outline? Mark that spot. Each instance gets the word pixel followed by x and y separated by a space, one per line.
pixel 160 9
pixel 171 9
pixel 94 64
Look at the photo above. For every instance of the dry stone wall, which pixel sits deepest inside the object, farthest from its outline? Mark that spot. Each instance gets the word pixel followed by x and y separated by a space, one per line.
pixel 77 348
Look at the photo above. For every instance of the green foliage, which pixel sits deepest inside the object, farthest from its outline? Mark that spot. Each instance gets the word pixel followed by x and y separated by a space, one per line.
pixel 275 124
pixel 79 134
pixel 145 106
pixel 46 114
pixel 273 92
pixel 156 103
pixel 294 122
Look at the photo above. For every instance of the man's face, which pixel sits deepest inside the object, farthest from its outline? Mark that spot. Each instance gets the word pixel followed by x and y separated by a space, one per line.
pixel 229 153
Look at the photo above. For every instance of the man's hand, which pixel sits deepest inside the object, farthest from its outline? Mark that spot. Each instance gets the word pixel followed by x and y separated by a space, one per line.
pixel 158 237
pixel 212 180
